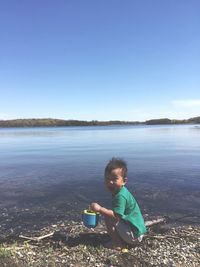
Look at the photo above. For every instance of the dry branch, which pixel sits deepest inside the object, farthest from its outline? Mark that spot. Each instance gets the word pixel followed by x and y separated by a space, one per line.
pixel 37 239
pixel 150 223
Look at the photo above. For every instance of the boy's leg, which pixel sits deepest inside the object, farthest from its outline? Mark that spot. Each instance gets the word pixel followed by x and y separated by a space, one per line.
pixel 117 242
pixel 126 232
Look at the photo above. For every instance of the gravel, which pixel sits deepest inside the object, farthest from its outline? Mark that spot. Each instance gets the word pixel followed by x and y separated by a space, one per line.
pixel 71 244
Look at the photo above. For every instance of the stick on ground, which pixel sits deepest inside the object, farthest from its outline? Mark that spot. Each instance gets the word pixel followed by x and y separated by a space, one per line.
pixel 37 238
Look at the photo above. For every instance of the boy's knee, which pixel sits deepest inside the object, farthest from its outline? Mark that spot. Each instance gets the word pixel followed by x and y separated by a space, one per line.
pixel 111 223
pixel 110 220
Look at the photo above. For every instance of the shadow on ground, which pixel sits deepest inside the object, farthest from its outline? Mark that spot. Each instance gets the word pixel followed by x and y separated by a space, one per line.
pixel 92 239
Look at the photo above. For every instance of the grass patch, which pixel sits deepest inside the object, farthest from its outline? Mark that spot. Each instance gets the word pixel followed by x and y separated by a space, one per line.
pixel 4 252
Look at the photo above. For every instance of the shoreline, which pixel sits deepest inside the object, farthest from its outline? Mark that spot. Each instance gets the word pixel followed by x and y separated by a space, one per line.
pixel 35 206
pixel 73 245
pixel 36 211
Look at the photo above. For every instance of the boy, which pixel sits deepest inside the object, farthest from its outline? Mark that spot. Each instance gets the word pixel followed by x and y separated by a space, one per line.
pixel 124 221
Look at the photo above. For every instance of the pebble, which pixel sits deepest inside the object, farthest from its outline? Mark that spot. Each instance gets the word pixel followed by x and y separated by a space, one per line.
pixel 125 250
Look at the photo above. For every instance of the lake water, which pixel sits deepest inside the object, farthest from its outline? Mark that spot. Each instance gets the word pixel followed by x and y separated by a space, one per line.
pixel 66 165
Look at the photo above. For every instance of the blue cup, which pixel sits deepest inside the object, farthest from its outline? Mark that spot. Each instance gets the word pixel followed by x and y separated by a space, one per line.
pixel 90 218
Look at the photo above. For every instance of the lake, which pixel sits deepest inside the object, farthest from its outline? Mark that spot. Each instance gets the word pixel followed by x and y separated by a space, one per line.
pixel 58 171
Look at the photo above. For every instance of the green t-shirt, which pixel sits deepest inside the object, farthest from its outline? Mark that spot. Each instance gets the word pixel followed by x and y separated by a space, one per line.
pixel 125 205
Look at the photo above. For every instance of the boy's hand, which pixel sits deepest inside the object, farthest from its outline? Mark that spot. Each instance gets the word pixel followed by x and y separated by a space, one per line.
pixel 103 211
pixel 95 207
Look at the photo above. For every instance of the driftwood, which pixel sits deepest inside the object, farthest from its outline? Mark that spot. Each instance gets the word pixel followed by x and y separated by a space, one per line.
pixel 37 239
pixel 150 223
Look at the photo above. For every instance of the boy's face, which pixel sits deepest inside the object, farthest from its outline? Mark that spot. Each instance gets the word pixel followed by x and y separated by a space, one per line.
pixel 114 180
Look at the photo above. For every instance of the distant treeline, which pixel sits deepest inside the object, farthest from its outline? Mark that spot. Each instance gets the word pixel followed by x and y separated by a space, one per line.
pixel 195 120
pixel 57 123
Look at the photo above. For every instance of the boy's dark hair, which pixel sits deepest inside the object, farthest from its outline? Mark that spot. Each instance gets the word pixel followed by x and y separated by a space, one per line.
pixel 115 163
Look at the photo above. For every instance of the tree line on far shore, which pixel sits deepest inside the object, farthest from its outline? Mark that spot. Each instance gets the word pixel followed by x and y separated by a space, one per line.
pixel 56 122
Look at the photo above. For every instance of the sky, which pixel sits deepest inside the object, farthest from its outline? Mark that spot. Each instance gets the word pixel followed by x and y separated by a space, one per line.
pixel 130 60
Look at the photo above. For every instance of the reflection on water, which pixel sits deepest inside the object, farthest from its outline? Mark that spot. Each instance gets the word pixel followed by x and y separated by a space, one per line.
pixel 163 161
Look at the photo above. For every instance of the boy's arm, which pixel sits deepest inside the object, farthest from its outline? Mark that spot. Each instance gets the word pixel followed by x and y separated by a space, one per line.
pixel 105 212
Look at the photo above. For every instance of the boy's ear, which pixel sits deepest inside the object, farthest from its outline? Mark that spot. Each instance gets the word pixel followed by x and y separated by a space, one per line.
pixel 125 180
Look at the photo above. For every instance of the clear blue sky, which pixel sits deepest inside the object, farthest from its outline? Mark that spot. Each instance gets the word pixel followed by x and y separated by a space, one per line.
pixel 99 60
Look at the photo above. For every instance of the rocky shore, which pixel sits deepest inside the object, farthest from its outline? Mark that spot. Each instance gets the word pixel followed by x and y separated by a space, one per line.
pixel 69 243
pixel 36 212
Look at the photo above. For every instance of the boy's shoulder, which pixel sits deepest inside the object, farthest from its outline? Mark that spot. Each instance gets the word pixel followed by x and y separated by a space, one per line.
pixel 124 192
pixel 124 196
